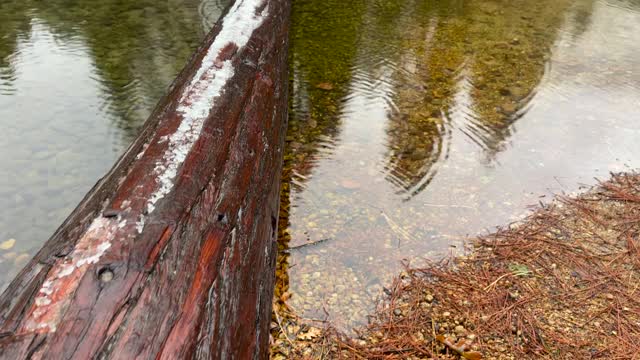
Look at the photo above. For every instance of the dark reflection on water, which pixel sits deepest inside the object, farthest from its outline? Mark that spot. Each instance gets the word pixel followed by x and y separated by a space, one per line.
pixel 77 80
pixel 416 123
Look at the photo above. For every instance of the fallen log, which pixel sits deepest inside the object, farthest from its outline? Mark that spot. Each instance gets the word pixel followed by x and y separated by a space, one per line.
pixel 172 254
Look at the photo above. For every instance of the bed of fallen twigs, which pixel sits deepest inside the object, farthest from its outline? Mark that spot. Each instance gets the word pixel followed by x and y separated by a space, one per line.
pixel 562 284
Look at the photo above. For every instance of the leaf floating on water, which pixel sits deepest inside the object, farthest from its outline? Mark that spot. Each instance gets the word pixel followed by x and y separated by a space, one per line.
pixel 325 86
pixel 6 245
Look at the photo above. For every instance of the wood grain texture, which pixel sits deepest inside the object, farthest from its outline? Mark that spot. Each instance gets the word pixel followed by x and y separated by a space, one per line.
pixel 197 281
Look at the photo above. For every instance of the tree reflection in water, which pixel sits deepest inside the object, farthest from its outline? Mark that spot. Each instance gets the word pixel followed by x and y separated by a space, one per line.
pixel 444 73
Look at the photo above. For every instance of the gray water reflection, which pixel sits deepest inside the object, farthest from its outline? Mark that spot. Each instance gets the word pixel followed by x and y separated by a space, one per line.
pixel 438 120
pixel 77 80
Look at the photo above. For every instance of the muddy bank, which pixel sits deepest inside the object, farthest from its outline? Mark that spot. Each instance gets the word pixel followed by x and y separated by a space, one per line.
pixel 561 284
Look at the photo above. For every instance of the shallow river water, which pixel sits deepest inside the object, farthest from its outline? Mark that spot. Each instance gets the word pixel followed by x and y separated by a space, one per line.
pixel 413 124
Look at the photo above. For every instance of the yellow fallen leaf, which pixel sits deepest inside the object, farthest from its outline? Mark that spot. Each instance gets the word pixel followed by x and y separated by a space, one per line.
pixel 7 244
pixel 286 296
pixel 312 333
pixel 472 355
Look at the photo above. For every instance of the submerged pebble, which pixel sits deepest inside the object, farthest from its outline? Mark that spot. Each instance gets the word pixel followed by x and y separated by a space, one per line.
pixel 9 255
pixel 21 260
pixel 6 245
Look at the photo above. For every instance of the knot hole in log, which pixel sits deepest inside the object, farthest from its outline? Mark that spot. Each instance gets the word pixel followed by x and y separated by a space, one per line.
pixel 105 274
pixel 274 225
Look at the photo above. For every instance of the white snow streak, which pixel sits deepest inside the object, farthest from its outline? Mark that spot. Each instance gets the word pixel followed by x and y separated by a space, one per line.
pixel 199 96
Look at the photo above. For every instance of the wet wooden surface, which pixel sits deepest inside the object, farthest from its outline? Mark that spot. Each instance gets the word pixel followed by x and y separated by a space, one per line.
pixel 197 280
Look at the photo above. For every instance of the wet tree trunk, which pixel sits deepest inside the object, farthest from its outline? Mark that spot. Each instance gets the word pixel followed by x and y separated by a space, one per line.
pixel 172 254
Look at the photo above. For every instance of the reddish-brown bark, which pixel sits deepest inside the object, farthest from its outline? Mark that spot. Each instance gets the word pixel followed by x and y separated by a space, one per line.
pixel 197 281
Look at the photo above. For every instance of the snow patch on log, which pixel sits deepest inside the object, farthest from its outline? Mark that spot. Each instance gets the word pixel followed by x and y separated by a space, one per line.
pixel 55 293
pixel 200 94
pixel 196 101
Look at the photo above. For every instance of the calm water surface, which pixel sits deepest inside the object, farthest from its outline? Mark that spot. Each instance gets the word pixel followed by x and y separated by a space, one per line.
pixel 77 79
pixel 415 124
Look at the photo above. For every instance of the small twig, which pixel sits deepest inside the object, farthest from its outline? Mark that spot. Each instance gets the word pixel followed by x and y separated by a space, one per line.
pixel 448 206
pixel 309 244
pixel 282 330
pixel 488 287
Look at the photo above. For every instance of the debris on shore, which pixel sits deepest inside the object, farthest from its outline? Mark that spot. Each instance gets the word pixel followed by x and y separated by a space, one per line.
pixel 562 284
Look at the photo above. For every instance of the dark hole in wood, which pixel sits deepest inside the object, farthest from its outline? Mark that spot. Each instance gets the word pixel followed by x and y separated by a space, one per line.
pixel 109 213
pixel 105 274
pixel 222 218
pixel 274 223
